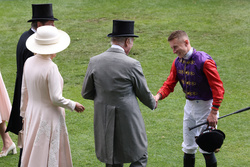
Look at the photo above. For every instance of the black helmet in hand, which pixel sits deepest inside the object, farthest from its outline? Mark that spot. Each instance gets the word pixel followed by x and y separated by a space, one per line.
pixel 210 140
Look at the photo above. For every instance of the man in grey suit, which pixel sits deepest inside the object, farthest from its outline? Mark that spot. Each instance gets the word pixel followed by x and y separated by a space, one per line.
pixel 114 81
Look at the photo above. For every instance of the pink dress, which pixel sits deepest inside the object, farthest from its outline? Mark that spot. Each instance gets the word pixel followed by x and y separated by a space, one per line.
pixel 46 140
pixel 5 105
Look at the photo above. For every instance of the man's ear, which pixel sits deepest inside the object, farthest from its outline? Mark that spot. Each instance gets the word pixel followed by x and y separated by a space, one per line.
pixel 127 41
pixel 186 42
pixel 39 24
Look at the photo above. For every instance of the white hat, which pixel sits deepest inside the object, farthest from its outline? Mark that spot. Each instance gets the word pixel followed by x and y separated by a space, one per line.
pixel 48 40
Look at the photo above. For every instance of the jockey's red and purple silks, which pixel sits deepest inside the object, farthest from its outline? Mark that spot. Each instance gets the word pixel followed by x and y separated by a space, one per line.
pixel 192 78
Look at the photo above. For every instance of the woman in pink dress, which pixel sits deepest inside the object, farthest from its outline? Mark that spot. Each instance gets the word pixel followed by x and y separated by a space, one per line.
pixel 45 134
pixel 5 107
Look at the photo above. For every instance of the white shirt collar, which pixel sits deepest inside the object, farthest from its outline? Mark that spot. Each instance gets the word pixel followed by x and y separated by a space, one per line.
pixel 33 29
pixel 118 47
pixel 189 53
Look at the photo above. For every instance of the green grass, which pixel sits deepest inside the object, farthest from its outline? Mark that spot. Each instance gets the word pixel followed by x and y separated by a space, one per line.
pixel 218 27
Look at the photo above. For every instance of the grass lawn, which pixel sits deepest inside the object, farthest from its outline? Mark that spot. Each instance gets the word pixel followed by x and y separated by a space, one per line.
pixel 218 27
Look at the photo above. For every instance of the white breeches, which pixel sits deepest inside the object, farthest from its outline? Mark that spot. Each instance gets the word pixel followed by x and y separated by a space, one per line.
pixel 195 112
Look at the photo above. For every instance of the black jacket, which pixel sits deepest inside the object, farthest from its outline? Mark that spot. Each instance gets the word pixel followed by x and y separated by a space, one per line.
pixel 22 54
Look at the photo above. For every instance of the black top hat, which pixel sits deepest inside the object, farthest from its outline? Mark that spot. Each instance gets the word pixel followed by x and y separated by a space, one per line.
pixel 122 28
pixel 42 12
pixel 210 140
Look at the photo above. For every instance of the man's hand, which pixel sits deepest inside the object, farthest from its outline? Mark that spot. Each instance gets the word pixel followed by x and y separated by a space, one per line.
pixel 157 97
pixel 212 118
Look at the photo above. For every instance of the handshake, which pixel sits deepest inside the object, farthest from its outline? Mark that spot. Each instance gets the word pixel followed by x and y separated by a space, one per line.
pixel 157 97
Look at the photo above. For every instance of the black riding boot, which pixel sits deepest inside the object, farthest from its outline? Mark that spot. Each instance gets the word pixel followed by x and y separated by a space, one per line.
pixel 210 160
pixel 189 160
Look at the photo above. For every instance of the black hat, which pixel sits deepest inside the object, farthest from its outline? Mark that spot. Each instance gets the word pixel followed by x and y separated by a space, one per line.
pixel 210 140
pixel 42 12
pixel 122 28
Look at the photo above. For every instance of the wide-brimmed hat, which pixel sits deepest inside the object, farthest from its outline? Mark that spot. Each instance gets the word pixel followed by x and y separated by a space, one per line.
pixel 123 28
pixel 210 140
pixel 42 12
pixel 48 40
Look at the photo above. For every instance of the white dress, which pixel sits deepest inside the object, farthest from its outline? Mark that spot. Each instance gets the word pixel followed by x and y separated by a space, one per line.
pixel 46 140
pixel 5 105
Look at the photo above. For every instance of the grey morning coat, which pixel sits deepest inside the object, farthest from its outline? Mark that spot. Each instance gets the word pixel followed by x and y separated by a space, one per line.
pixel 114 81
